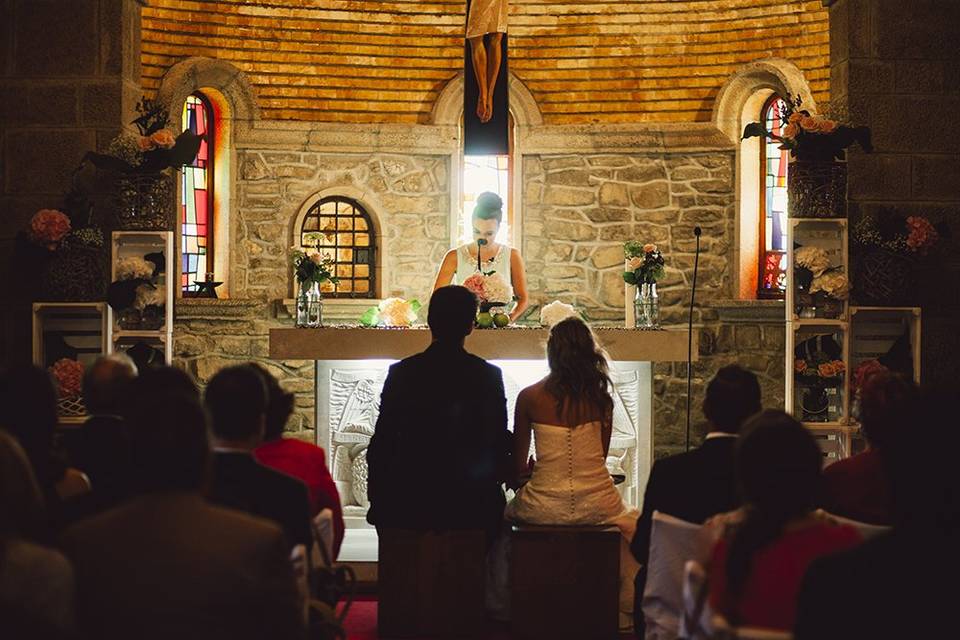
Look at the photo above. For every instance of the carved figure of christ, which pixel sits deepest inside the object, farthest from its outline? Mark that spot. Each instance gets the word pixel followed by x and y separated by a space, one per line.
pixel 486 24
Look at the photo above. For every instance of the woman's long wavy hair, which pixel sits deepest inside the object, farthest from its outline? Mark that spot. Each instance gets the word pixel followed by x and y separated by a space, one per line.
pixel 778 468
pixel 579 374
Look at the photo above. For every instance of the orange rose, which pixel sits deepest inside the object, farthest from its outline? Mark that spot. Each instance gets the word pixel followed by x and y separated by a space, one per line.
pixel 838 367
pixel 791 130
pixel 800 366
pixel 163 138
pixel 649 247
pixel 827 370
pixel 808 123
pixel 828 126
pixel 634 263
pixel 795 117
pixel 146 144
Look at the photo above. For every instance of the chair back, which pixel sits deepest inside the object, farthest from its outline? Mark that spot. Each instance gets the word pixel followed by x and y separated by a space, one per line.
pixel 696 623
pixel 323 533
pixel 865 529
pixel 672 543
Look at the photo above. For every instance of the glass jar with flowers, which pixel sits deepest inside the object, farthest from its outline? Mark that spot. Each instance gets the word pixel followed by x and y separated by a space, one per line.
pixel 311 269
pixel 888 249
pixel 816 182
pixel 644 266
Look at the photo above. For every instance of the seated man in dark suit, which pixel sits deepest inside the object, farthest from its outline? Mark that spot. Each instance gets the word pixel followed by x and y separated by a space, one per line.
pixel 698 484
pixel 166 563
pixel 900 584
pixel 441 446
pixel 103 448
pixel 237 401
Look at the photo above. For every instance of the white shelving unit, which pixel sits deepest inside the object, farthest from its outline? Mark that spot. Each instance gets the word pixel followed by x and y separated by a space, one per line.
pixel 127 244
pixel 830 424
pixel 78 330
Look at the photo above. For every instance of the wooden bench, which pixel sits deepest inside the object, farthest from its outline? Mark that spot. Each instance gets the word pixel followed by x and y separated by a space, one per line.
pixel 565 582
pixel 430 584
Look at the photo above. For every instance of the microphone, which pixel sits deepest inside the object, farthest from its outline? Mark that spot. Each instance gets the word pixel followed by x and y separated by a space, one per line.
pixel 480 243
pixel 693 291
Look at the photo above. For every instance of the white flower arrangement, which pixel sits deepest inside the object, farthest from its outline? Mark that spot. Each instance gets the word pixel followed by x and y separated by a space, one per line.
pixel 555 312
pixel 133 268
pixel 813 258
pixel 147 295
pixel 833 283
pixel 392 312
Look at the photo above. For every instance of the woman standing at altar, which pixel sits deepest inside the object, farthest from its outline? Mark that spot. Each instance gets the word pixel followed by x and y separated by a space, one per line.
pixel 486 255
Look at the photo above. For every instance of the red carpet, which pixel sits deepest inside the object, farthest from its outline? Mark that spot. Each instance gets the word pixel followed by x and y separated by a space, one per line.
pixel 361 623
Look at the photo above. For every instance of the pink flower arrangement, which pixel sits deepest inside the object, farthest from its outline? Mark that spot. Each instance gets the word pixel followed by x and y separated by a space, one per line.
pixel 489 288
pixel 163 138
pixel 921 234
pixel 69 376
pixel 49 226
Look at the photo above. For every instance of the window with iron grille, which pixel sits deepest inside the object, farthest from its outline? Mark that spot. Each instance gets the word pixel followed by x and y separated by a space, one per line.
pixel 341 228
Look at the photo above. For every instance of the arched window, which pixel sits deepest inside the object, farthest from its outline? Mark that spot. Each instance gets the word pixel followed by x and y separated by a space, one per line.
pixel 773 204
pixel 488 173
pixel 341 227
pixel 196 197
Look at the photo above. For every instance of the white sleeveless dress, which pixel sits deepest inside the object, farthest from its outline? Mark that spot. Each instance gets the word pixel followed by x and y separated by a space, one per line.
pixel 572 486
pixel 467 264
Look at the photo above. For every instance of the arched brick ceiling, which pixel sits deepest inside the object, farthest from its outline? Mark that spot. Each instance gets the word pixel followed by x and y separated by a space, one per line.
pixel 608 62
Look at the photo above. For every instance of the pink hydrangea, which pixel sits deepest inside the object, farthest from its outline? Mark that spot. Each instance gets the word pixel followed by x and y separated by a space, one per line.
pixel 69 376
pixel 49 226
pixel 921 235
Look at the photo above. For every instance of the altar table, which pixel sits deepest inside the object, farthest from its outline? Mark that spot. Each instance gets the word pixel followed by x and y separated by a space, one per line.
pixel 352 362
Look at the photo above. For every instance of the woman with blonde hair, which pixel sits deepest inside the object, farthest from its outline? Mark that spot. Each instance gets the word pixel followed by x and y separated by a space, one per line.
pixel 36 583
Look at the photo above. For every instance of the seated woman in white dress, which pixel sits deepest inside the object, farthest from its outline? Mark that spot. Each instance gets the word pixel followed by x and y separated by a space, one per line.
pixel 462 262
pixel 570 413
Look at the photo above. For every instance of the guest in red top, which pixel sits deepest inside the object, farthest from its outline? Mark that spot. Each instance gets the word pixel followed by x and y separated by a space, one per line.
pixel 302 460
pixel 859 487
pixel 755 574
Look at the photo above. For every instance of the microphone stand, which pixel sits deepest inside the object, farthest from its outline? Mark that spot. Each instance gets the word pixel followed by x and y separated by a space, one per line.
pixel 480 243
pixel 693 292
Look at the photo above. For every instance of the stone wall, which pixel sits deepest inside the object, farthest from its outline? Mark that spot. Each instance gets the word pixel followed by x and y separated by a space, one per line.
pixel 895 68
pixel 407 195
pixel 69 79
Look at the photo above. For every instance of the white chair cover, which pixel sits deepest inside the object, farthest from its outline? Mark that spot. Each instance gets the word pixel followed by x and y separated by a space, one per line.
pixel 298 560
pixel 672 543
pixel 697 622
pixel 324 533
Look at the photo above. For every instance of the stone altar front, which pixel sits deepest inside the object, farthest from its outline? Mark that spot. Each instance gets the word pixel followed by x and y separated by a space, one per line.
pixel 352 362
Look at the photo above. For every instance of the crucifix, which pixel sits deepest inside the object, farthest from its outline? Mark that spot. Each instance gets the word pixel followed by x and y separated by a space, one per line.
pixel 485 106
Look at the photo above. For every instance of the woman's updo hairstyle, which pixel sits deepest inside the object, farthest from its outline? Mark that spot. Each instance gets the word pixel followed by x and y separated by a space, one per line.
pixel 489 207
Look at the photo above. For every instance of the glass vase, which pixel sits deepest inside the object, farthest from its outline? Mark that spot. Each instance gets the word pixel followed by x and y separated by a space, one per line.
pixel 646 307
pixel 309 305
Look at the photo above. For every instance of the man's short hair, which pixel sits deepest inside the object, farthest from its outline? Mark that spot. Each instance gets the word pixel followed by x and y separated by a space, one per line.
pixel 237 401
pixel 168 432
pixel 106 382
pixel 732 396
pixel 452 312
pixel 279 404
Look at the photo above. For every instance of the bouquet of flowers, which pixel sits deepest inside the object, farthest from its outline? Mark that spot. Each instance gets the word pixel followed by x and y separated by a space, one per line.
pixel 644 263
pixel 48 227
pixel 392 312
pixel 490 289
pixel 134 295
pixel 311 266
pixel 819 370
pixel 911 235
pixel 809 137
pixel 68 374
pixel 556 312
pixel 153 148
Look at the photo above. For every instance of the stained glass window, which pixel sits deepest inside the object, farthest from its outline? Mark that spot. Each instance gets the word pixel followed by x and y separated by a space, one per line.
pixel 196 203
pixel 773 205
pixel 485 173
pixel 341 228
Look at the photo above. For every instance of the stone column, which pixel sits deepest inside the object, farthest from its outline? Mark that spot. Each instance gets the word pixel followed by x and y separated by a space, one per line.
pixel 69 80
pixel 895 66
